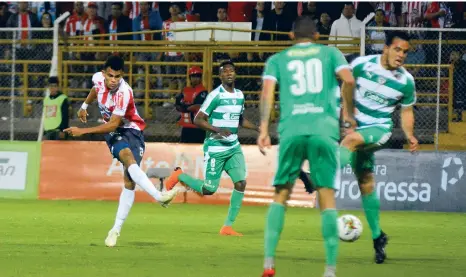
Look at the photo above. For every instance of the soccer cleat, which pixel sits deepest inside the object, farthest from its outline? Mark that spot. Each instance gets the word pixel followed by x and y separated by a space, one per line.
pixel 228 231
pixel 329 271
pixel 379 246
pixel 270 272
pixel 112 237
pixel 172 180
pixel 168 196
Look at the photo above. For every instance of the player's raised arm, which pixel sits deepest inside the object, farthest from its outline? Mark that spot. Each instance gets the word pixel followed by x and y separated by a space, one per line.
pixel 82 113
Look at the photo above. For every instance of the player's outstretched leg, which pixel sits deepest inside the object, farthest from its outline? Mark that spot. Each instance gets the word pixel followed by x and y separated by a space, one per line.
pixel 273 227
pixel 236 201
pixel 371 205
pixel 139 177
pixel 196 185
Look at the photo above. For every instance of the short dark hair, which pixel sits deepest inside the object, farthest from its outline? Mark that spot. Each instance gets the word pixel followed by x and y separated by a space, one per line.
pixel 114 62
pixel 227 62
pixel 391 36
pixel 119 4
pixel 380 10
pixel 53 80
pixel 304 27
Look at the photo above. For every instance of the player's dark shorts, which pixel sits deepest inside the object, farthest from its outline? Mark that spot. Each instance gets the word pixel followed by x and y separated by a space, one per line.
pixel 126 138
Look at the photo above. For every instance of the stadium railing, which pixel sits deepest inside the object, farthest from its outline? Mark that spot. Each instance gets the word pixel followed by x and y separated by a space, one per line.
pixel 156 82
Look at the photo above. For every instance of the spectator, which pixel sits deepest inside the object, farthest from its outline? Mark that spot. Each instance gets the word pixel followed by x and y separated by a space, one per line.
pixel 119 23
pixel 435 18
pixel 347 27
pixel 170 36
pixel 392 12
pixel 56 112
pixel 379 34
pixel 93 25
pixel 222 15
pixel 278 21
pixel 240 11
pixel 412 14
pixel 40 8
pixel 435 14
pixel 23 19
pixel 324 26
pixel 191 14
pixel 258 22
pixel 188 103
pixel 74 23
pixel 459 85
pixel 74 26
pixel 147 20
pixel 4 15
pixel 311 11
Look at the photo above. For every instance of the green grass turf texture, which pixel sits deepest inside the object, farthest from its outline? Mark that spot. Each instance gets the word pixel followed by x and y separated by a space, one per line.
pixel 66 238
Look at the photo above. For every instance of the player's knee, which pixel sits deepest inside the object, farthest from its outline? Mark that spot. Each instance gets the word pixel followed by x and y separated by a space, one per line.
pixel 130 185
pixel 207 191
pixel 282 193
pixel 240 186
pixel 126 157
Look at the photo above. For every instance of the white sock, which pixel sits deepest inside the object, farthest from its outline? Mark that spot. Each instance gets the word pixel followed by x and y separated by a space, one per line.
pixel 126 202
pixel 140 178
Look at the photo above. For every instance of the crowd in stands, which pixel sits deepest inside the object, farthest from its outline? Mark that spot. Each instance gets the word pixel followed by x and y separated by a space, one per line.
pixel 335 21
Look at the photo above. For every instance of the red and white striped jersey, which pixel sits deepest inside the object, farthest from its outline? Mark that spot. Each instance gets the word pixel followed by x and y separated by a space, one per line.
pixel 413 10
pixel 120 103
pixel 74 25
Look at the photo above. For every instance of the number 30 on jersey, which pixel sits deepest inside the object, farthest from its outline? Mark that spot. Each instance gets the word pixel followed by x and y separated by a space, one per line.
pixel 307 76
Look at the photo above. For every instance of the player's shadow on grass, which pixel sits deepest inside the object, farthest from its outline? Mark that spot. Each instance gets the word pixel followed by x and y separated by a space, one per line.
pixel 139 244
pixel 145 243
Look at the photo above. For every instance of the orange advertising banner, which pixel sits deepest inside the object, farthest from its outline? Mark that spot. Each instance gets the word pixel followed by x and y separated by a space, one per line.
pixel 86 170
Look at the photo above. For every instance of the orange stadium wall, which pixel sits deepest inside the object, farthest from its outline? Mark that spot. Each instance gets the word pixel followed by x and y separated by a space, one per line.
pixel 86 171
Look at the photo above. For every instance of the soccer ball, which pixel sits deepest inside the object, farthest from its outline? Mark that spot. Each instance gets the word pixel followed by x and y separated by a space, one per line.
pixel 349 228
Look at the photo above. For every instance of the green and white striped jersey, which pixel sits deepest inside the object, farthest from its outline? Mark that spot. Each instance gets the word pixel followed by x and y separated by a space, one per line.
pixel 379 91
pixel 224 110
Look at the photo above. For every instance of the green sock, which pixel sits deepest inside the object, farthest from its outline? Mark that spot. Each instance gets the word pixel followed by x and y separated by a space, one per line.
pixel 330 234
pixel 191 182
pixel 371 205
pixel 235 204
pixel 345 156
pixel 273 228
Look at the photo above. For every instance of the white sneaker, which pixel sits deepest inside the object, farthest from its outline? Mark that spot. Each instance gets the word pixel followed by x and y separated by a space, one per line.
pixel 112 237
pixel 168 196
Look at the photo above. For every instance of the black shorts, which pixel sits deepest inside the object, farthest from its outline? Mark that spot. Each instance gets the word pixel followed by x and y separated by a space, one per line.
pixel 126 138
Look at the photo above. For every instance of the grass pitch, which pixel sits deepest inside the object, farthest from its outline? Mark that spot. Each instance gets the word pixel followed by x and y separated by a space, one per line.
pixel 66 238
